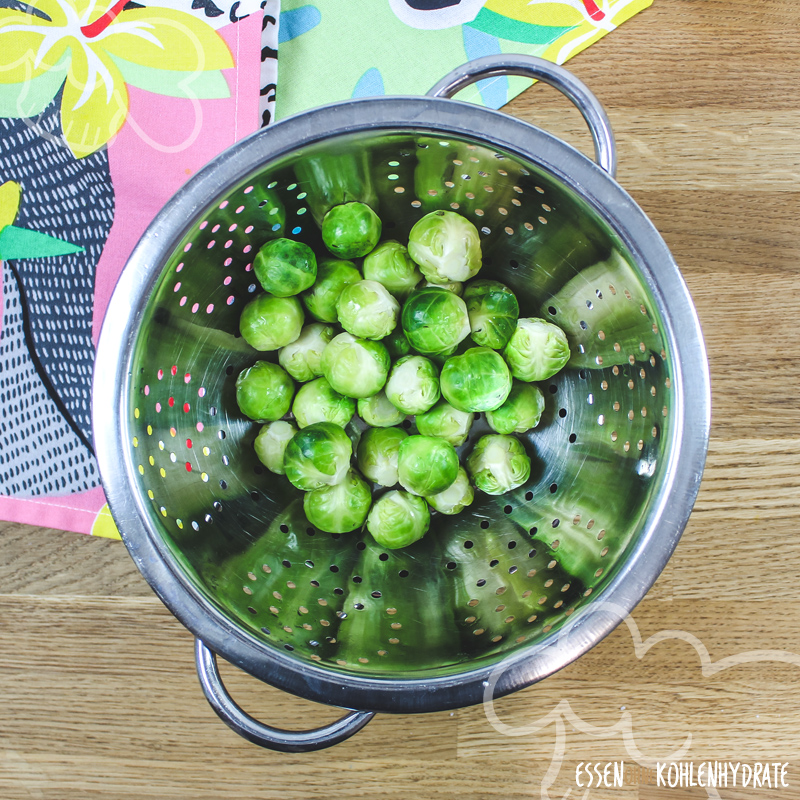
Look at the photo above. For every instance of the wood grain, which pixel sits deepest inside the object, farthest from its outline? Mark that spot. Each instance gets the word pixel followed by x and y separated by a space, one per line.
pixel 99 695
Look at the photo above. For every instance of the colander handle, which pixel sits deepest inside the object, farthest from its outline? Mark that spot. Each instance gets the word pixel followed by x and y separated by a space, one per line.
pixel 265 735
pixel 547 72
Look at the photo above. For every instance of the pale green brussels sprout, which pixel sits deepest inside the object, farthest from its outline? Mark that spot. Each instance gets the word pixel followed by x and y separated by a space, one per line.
pixel 456 497
pixel 301 358
pixel 318 456
pixel 434 321
pixel 332 276
pixel 264 391
pixel 379 412
pixel 498 464
pixel 398 519
pixel 285 267
pixel 270 444
pixel 521 411
pixel 366 309
pixel 426 464
pixel 493 313
pixel 446 422
pixel 390 264
pixel 351 230
pixel 413 384
pixel 446 246
pixel 317 401
pixel 341 507
pixel 355 367
pixel 455 288
pixel 377 454
pixel 269 323
pixel 396 343
pixel 478 380
pixel 537 350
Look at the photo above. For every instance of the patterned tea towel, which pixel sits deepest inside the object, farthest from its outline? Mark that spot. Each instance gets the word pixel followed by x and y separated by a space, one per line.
pixel 107 107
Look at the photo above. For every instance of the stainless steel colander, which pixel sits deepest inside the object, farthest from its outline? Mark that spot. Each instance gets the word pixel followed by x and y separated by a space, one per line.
pixel 522 584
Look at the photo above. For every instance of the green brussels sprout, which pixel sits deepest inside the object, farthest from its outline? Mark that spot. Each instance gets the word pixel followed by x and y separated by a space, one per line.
pixel 537 350
pixel 269 323
pixel 341 507
pixel 270 444
pixel 318 456
pixel 446 246
pixel 455 288
pixel 390 264
pixel 379 412
pixel 493 313
pixel 398 519
pixel 285 267
pixel 332 276
pixel 377 454
pixel 396 343
pixel 498 464
pixel 434 321
pixel 521 411
pixel 413 384
pixel 351 230
pixel 426 464
pixel 355 367
pixel 316 401
pixel 446 422
pixel 478 380
pixel 264 391
pixel 367 310
pixel 456 497
pixel 301 358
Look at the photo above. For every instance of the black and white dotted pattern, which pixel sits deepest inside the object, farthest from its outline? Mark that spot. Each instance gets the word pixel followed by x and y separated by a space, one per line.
pixel 49 331
pixel 269 59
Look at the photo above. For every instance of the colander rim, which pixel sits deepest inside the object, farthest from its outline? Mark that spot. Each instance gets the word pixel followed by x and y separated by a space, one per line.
pixel 680 477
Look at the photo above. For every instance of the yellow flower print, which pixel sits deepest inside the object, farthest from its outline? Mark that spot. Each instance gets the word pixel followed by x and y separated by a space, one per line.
pixel 102 46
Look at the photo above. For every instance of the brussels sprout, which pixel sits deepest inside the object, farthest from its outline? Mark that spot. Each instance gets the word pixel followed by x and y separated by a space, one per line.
pixel 498 464
pixel 434 321
pixel 285 267
pixel 271 442
pixel 390 264
pixel 456 497
pixel 301 358
pixel 351 230
pixel 493 313
pixel 377 454
pixel 446 422
pixel 318 456
pixel 367 310
pixel 396 344
pixel 413 384
pixel 332 276
pixel 426 464
pixel 536 350
pixel 339 508
pixel 355 367
pixel 264 391
pixel 478 380
pixel 379 412
pixel 269 323
pixel 316 401
pixel 455 288
pixel 521 411
pixel 398 519
pixel 446 246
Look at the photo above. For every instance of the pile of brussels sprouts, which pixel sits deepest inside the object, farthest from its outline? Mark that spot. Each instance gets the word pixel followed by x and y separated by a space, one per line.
pixel 410 332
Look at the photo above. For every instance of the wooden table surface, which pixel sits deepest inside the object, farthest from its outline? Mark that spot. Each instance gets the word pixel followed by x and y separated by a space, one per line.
pixel 98 695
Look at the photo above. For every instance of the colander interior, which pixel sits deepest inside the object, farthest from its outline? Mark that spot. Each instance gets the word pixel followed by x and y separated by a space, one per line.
pixel 499 577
